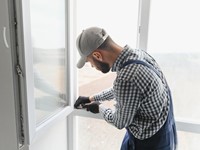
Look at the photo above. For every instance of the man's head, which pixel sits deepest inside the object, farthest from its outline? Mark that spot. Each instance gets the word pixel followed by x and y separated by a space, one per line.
pixel 95 46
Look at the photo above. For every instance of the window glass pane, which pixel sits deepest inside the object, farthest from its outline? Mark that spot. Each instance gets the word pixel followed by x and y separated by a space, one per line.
pixel 188 141
pixel 95 134
pixel 174 41
pixel 48 43
pixel 119 19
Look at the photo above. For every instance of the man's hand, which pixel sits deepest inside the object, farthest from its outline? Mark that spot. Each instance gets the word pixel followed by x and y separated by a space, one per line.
pixel 92 107
pixel 81 101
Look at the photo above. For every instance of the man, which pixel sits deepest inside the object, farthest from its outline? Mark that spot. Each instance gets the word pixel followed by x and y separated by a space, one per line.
pixel 143 99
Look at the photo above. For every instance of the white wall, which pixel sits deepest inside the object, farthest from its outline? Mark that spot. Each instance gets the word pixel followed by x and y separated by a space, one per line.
pixel 7 103
pixel 8 135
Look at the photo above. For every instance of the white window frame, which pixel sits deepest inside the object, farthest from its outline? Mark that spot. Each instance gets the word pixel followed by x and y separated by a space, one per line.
pixel 31 130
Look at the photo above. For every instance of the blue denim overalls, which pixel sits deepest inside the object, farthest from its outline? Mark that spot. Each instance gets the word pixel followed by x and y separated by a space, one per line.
pixel 164 139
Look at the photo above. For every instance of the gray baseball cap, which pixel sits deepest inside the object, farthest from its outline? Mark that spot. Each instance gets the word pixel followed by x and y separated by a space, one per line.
pixel 88 41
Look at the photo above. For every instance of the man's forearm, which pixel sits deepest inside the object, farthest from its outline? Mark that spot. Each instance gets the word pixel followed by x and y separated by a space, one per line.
pixel 104 95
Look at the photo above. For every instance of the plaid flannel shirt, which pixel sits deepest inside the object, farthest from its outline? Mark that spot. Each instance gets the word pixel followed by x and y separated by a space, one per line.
pixel 142 100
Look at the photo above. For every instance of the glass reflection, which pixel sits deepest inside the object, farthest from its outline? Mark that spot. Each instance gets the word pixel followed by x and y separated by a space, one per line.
pixel 48 43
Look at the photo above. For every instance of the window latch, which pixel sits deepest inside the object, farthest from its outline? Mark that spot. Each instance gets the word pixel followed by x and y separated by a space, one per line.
pixel 19 70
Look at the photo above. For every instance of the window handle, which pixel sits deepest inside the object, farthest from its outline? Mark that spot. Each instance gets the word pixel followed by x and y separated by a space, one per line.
pixel 4 37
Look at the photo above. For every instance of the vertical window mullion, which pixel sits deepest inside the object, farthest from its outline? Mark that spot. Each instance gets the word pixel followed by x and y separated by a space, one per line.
pixel 143 23
pixel 71 74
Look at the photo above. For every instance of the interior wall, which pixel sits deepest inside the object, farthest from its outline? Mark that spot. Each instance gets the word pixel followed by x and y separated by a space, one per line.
pixel 8 129
pixel 8 135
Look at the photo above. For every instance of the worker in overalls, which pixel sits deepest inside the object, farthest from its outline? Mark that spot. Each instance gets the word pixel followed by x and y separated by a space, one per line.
pixel 143 98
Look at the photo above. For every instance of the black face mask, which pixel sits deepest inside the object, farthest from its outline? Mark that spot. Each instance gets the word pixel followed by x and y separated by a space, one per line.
pixel 102 66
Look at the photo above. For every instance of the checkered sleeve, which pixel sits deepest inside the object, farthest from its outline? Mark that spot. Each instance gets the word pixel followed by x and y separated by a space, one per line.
pixel 104 95
pixel 127 97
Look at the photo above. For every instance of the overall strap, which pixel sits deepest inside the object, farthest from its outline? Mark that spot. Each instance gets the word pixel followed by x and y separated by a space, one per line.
pixel 132 61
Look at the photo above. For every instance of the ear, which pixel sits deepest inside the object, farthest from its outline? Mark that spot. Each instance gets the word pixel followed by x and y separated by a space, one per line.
pixel 97 55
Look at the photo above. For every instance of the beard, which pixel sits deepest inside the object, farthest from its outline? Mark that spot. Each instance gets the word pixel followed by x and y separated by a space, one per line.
pixel 102 66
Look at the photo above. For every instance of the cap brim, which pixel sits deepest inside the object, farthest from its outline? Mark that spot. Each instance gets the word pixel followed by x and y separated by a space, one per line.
pixel 81 62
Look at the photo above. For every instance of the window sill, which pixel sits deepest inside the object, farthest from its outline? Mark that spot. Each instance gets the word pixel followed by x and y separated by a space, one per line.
pixel 84 113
